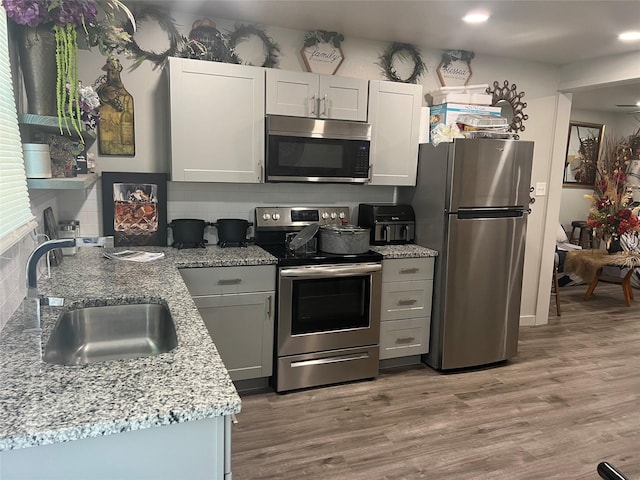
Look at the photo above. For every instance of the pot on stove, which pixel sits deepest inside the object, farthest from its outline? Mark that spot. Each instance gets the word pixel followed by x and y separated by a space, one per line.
pixel 232 230
pixel 344 239
pixel 188 231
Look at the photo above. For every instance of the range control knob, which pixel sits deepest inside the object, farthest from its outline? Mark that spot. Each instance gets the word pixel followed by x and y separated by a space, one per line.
pixel 341 215
pixel 334 215
pixel 266 216
pixel 325 215
pixel 276 216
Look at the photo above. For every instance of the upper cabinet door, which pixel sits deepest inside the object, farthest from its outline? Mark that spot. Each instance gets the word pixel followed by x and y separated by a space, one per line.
pixel 292 93
pixel 343 98
pixel 394 115
pixel 217 121
pixel 302 94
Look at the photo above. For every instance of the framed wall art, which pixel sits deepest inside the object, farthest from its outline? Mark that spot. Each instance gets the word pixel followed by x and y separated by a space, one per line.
pixel 584 144
pixel 134 208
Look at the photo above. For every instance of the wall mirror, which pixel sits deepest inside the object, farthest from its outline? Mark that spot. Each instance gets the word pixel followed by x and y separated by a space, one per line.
pixel 511 104
pixel 584 144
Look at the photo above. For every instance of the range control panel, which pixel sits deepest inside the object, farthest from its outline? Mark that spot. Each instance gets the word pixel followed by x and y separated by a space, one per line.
pixel 288 217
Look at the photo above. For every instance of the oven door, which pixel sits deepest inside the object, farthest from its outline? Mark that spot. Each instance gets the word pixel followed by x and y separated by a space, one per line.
pixel 327 307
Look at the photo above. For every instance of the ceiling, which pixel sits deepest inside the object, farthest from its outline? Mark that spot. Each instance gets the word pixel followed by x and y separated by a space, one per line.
pixel 555 31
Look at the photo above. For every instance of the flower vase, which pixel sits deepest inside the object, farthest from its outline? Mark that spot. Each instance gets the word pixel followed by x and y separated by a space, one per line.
pixel 37 50
pixel 614 245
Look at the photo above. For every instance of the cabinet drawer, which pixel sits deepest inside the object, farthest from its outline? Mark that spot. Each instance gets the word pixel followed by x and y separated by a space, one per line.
pixel 406 299
pixel 404 269
pixel 401 338
pixel 224 280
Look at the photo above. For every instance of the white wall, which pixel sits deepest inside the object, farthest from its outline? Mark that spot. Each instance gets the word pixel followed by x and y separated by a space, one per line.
pixel 212 201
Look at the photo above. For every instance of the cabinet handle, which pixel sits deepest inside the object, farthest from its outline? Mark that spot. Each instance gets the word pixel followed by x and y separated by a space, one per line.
pixel 409 270
pixel 407 302
pixel 313 104
pixel 324 105
pixel 405 339
pixel 268 307
pixel 229 281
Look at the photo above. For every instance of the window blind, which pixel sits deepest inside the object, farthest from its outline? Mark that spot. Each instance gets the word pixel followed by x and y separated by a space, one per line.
pixel 16 219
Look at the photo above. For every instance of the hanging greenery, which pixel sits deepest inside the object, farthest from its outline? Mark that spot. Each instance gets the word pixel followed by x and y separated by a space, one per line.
pixel 168 25
pixel 322 36
pixel 242 33
pixel 403 51
pixel 67 70
pixel 454 55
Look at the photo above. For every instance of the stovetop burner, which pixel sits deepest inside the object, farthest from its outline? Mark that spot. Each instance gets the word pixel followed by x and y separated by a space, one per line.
pixel 180 246
pixel 287 257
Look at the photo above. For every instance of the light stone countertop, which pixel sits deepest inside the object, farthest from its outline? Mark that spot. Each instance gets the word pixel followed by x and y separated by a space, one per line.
pixel 44 404
pixel 404 251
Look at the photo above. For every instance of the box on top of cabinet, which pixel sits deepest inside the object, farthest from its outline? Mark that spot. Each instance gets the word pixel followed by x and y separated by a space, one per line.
pixel 447 113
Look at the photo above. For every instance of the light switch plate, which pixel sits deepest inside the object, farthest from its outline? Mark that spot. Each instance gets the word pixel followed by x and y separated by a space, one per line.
pixel 541 189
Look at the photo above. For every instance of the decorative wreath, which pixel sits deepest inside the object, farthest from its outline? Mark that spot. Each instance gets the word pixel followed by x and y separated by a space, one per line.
pixel 168 25
pixel 322 36
pixel 511 95
pixel 402 50
pixel 241 33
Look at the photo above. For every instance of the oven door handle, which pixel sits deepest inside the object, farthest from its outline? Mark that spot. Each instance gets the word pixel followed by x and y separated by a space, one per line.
pixel 329 271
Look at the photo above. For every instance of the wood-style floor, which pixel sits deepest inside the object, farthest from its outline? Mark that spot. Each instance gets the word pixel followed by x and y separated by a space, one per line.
pixel 570 399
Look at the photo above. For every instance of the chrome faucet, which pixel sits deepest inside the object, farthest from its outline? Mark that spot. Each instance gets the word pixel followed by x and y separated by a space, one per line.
pixel 33 302
pixel 40 250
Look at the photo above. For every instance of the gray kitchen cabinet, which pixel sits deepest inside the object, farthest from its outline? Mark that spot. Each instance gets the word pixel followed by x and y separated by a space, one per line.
pixel 407 286
pixel 237 306
pixel 217 121
pixel 302 94
pixel 394 115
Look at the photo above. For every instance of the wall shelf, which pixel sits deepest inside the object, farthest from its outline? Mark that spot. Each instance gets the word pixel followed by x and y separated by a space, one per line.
pixel 81 182
pixel 50 125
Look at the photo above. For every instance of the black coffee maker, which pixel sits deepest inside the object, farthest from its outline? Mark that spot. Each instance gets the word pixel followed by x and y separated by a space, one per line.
pixel 390 224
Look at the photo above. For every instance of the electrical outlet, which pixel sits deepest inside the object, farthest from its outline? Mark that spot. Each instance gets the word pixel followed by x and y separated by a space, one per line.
pixel 541 189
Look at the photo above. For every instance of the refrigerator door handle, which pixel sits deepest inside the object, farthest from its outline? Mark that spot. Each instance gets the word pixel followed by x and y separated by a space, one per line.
pixel 491 213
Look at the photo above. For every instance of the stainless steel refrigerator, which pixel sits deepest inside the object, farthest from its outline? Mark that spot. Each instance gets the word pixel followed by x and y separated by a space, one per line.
pixel 471 201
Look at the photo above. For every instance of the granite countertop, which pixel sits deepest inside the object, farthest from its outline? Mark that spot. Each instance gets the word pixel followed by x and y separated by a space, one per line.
pixel 44 404
pixel 404 251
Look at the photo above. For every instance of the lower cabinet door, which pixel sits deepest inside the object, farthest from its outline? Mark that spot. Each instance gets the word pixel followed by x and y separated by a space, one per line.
pixel 242 328
pixel 401 338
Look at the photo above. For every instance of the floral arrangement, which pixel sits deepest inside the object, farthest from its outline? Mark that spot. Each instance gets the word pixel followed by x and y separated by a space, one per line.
pixel 66 18
pixel 89 102
pixel 610 212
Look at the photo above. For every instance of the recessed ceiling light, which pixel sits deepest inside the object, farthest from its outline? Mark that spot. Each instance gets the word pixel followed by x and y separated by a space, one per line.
pixel 630 36
pixel 638 104
pixel 476 17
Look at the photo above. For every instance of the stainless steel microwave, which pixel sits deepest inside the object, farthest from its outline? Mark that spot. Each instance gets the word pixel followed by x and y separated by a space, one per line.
pixel 310 150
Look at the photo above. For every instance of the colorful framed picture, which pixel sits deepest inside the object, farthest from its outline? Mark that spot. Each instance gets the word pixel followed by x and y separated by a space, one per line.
pixel 584 144
pixel 134 208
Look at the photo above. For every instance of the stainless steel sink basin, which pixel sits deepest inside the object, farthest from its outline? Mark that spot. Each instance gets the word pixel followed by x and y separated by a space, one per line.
pixel 97 334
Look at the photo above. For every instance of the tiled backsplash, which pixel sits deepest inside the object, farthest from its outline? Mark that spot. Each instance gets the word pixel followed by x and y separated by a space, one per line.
pixel 13 262
pixel 207 201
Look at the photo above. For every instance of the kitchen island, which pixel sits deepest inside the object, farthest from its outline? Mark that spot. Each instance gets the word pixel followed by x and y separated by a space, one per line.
pixel 170 411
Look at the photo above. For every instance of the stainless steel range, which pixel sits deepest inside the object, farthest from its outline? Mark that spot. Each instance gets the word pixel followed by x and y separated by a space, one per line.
pixel 328 305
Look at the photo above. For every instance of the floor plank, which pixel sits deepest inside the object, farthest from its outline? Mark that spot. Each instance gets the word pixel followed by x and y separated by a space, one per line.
pixel 570 399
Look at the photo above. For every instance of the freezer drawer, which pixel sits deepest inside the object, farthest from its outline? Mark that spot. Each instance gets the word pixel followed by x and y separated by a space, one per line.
pixel 482 289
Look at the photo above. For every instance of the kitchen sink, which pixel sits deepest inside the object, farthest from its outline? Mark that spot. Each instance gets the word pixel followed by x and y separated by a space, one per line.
pixel 113 332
